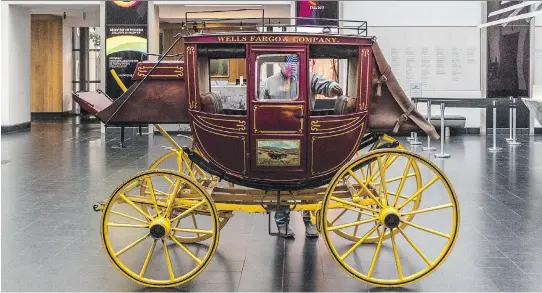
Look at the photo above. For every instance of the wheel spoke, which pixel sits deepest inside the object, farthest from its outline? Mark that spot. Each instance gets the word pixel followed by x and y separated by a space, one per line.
pixel 386 166
pixel 349 251
pixel 377 252
pixel 360 212
pixel 197 231
pixel 371 195
pixel 131 245
pixel 129 217
pixel 338 216
pixel 147 259
pixel 135 207
pixel 395 179
pixel 353 204
pixel 168 180
pixel 195 223
pixel 396 194
pixel 414 246
pixel 396 253
pixel 357 223
pixel 382 178
pixel 357 226
pixel 418 192
pixel 168 261
pixel 188 211
pixel 426 229
pixel 153 195
pixel 171 199
pixel 195 258
pixel 127 225
pixel 402 183
pixel 440 207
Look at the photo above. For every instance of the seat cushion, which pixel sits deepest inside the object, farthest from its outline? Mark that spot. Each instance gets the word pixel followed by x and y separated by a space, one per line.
pixel 211 103
pixel 344 105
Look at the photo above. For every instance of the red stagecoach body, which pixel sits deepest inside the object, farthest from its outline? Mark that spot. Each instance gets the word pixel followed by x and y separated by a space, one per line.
pixel 277 142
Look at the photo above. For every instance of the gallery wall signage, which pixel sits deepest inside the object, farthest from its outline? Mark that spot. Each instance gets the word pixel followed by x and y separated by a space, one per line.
pixel 126 40
pixel 317 9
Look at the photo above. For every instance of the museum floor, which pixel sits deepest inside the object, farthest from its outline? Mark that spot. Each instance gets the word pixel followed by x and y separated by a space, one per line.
pixel 52 175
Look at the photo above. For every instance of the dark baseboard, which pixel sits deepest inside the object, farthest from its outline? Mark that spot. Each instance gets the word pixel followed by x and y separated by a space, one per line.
pixel 16 127
pixel 46 115
pixel 537 130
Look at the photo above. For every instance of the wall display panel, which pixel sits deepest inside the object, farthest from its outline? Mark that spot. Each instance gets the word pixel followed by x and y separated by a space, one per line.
pixel 439 58
pixel 317 9
pixel 124 48
pixel 126 39
pixel 126 12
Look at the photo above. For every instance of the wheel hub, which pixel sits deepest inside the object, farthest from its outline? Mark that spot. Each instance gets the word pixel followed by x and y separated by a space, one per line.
pixel 390 217
pixel 160 228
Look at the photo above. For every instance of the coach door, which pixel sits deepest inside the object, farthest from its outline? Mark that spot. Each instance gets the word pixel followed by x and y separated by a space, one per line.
pixel 278 108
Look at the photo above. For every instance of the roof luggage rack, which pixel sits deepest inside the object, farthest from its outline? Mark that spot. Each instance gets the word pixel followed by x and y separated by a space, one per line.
pixel 272 24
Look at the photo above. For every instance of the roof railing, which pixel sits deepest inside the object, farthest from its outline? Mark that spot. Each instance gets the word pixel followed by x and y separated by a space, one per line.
pixel 263 24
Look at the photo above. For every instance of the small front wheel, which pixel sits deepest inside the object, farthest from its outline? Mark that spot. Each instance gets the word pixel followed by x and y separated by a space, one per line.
pixel 138 229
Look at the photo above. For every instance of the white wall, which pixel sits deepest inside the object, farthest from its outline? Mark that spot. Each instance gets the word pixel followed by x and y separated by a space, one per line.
pixel 537 71
pixel 15 93
pixel 425 23
pixel 414 13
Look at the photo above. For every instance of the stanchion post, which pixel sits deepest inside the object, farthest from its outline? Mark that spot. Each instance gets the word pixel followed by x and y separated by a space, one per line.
pixel 428 147
pixel 415 141
pixel 442 154
pixel 510 138
pixel 514 142
pixel 494 148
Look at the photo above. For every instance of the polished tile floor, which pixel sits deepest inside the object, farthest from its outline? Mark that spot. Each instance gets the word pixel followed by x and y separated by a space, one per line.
pixel 52 175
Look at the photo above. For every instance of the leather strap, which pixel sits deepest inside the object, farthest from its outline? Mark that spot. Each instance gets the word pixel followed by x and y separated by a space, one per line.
pixel 403 118
pixel 381 80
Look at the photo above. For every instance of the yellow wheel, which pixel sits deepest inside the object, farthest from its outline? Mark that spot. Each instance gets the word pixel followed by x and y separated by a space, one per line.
pixel 369 175
pixel 179 161
pixel 141 243
pixel 416 246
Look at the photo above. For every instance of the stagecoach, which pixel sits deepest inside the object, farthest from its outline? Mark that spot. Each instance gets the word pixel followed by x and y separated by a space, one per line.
pixel 388 216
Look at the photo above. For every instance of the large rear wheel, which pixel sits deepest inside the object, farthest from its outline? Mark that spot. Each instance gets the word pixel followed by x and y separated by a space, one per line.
pixel 407 249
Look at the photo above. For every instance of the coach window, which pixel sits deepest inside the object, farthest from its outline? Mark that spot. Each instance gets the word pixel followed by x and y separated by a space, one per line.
pixel 278 77
pixel 335 63
pixel 222 74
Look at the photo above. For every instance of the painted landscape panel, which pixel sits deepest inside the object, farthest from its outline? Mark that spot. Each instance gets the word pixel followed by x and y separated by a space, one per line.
pixel 278 152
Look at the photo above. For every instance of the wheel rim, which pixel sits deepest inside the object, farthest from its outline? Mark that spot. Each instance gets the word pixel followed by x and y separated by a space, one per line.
pixel 414 249
pixel 140 242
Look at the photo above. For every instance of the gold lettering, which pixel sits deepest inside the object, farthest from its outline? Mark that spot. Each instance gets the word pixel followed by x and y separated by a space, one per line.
pixel 221 39
pixel 334 40
pixel 244 39
pixel 252 38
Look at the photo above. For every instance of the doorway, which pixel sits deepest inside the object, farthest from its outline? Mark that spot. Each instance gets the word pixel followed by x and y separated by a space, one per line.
pixel 46 66
pixel 87 64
